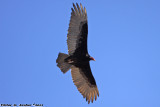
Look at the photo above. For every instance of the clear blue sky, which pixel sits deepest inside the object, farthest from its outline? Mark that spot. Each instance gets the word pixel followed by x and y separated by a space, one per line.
pixel 124 38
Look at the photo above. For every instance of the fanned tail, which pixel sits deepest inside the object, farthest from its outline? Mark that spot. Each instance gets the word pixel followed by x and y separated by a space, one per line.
pixel 64 66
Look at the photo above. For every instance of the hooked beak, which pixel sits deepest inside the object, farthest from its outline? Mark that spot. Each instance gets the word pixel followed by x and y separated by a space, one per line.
pixel 92 58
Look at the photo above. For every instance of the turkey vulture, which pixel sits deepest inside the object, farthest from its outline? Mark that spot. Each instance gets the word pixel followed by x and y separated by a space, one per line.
pixel 78 58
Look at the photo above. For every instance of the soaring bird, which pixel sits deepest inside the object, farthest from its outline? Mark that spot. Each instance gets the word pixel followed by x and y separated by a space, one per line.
pixel 78 57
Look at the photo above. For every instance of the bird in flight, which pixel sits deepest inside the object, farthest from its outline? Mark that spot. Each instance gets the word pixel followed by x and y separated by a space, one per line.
pixel 78 57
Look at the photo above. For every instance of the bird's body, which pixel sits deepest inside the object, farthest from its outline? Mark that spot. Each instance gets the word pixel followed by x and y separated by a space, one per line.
pixel 77 61
pixel 78 58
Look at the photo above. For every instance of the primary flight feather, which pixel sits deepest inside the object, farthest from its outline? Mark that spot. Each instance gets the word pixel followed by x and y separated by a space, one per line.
pixel 78 57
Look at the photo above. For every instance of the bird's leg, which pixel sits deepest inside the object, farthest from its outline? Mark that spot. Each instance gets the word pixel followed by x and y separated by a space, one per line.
pixel 69 60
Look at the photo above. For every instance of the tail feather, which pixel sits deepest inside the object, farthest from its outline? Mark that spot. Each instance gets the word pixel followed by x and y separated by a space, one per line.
pixel 64 66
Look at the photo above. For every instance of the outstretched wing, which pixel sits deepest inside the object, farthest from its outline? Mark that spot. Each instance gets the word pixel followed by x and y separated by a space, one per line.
pixel 78 31
pixel 85 82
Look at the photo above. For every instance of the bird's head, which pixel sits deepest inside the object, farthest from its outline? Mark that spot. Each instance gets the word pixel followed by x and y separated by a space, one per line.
pixel 91 58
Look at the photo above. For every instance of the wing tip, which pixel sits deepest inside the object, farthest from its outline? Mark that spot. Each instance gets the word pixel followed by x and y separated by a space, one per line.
pixel 79 9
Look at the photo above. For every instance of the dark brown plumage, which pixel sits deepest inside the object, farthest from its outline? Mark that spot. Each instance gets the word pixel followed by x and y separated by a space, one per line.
pixel 78 58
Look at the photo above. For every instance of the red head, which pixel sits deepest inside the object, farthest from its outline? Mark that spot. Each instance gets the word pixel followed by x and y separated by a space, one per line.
pixel 91 58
